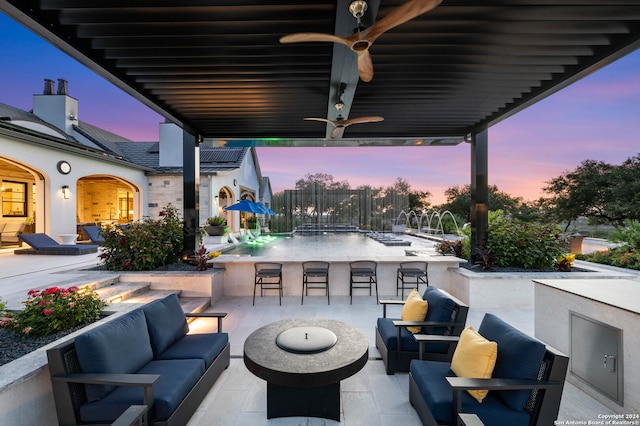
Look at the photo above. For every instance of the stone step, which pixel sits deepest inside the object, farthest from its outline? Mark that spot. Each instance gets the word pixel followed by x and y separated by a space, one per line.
pixel 118 291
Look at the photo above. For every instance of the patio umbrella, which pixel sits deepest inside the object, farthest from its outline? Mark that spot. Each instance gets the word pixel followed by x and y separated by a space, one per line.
pixel 245 206
pixel 265 209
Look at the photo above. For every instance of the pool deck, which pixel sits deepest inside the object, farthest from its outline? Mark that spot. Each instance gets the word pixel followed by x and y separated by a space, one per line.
pixel 239 398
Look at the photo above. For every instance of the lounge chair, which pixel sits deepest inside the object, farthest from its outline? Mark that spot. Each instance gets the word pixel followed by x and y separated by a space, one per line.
pixel 9 235
pixel 94 232
pixel 44 244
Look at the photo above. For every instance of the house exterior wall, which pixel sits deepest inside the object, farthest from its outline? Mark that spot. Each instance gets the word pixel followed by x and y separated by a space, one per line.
pixel 56 215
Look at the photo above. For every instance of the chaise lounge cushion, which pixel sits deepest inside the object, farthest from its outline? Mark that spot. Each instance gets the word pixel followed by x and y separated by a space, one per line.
pixel 108 349
pixel 177 378
pixel 166 321
pixel 44 244
pixel 519 357
pixel 436 391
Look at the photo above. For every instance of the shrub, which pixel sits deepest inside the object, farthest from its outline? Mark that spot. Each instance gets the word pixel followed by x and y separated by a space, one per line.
pixel 145 245
pixel 629 235
pixel 622 257
pixel 514 243
pixel 216 221
pixel 451 247
pixel 517 244
pixel 52 310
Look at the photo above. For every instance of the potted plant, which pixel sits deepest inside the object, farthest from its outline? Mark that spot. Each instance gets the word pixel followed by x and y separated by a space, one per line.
pixel 216 226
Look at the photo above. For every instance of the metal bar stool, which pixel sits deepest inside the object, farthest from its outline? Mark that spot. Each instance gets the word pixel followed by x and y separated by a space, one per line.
pixel 410 275
pixel 319 273
pixel 268 277
pixel 361 270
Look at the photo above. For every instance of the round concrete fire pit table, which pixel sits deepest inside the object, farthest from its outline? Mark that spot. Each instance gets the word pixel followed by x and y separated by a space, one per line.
pixel 304 379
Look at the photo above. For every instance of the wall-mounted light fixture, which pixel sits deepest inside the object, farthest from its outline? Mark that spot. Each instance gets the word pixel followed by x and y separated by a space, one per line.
pixel 216 198
pixel 65 192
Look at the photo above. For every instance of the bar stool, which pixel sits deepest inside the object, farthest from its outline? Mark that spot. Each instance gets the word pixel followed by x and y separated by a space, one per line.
pixel 269 277
pixel 410 275
pixel 363 270
pixel 319 273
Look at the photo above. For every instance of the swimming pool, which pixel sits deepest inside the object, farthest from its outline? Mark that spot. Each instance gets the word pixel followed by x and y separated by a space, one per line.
pixel 324 244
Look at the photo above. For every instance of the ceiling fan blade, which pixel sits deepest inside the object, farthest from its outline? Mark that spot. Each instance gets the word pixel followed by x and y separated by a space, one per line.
pixel 335 132
pixel 324 120
pixel 365 66
pixel 399 15
pixel 315 37
pixel 361 120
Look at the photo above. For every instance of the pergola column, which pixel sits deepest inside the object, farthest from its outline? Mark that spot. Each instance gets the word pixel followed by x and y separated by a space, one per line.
pixel 479 193
pixel 191 191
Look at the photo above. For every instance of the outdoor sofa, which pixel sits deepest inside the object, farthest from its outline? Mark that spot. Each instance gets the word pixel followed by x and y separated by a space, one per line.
pixel 144 357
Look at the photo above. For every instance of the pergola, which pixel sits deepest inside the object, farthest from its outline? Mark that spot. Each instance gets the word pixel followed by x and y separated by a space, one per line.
pixel 218 69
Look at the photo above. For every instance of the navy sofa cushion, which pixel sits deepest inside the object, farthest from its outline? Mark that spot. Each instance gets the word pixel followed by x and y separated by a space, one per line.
pixel 519 357
pixel 166 322
pixel 203 346
pixel 438 395
pixel 119 346
pixel 177 378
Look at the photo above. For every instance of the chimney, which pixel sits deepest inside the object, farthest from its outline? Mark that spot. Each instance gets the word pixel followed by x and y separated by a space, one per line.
pixel 48 87
pixel 62 87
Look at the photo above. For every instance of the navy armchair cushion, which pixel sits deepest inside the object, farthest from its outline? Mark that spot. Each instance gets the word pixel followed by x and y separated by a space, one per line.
pixel 120 346
pixel 166 321
pixel 440 306
pixel 436 391
pixel 389 334
pixel 519 357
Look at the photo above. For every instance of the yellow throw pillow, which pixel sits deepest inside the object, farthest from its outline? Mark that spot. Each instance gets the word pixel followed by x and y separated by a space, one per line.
pixel 474 358
pixel 415 309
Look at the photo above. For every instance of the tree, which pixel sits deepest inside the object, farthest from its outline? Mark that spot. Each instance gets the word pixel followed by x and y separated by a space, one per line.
pixel 459 203
pixel 597 190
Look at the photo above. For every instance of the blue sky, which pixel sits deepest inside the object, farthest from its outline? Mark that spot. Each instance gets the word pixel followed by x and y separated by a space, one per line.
pixel 596 118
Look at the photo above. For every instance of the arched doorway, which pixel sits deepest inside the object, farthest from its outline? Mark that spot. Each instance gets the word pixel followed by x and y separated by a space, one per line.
pixel 106 199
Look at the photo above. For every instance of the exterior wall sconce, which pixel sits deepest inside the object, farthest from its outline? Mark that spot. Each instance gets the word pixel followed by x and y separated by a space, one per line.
pixel 65 192
pixel 216 198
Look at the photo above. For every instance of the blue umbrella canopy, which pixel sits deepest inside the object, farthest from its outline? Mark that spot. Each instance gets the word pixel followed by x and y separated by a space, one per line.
pixel 265 209
pixel 245 206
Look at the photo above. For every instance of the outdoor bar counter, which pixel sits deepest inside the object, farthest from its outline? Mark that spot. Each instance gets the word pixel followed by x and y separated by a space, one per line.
pixel 239 272
pixel 596 322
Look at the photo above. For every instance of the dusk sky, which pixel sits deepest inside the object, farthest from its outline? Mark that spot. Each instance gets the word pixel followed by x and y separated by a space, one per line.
pixel 597 118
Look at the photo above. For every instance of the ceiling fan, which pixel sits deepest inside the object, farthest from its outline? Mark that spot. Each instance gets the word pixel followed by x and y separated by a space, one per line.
pixel 362 39
pixel 341 123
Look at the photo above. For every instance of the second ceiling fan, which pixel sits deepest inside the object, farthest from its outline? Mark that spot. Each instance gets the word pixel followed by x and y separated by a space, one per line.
pixel 361 40
pixel 341 123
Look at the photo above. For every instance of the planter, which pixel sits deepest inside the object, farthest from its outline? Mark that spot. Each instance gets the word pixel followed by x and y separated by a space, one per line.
pixel 216 230
pixel 514 290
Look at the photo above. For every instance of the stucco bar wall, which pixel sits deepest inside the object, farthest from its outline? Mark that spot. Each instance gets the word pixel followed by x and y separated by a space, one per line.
pixel 239 273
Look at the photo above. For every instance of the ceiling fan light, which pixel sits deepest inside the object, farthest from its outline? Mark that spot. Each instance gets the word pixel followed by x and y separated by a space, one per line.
pixel 339 105
pixel 358 8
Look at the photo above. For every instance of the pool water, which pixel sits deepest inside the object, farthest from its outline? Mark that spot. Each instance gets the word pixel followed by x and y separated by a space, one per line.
pixel 324 244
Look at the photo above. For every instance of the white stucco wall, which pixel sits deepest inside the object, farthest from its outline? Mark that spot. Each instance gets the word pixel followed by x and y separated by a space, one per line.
pixel 56 215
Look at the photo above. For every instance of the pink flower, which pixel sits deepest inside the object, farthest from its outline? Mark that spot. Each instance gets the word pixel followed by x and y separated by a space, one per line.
pixel 27 330
pixel 47 312
pixel 72 304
